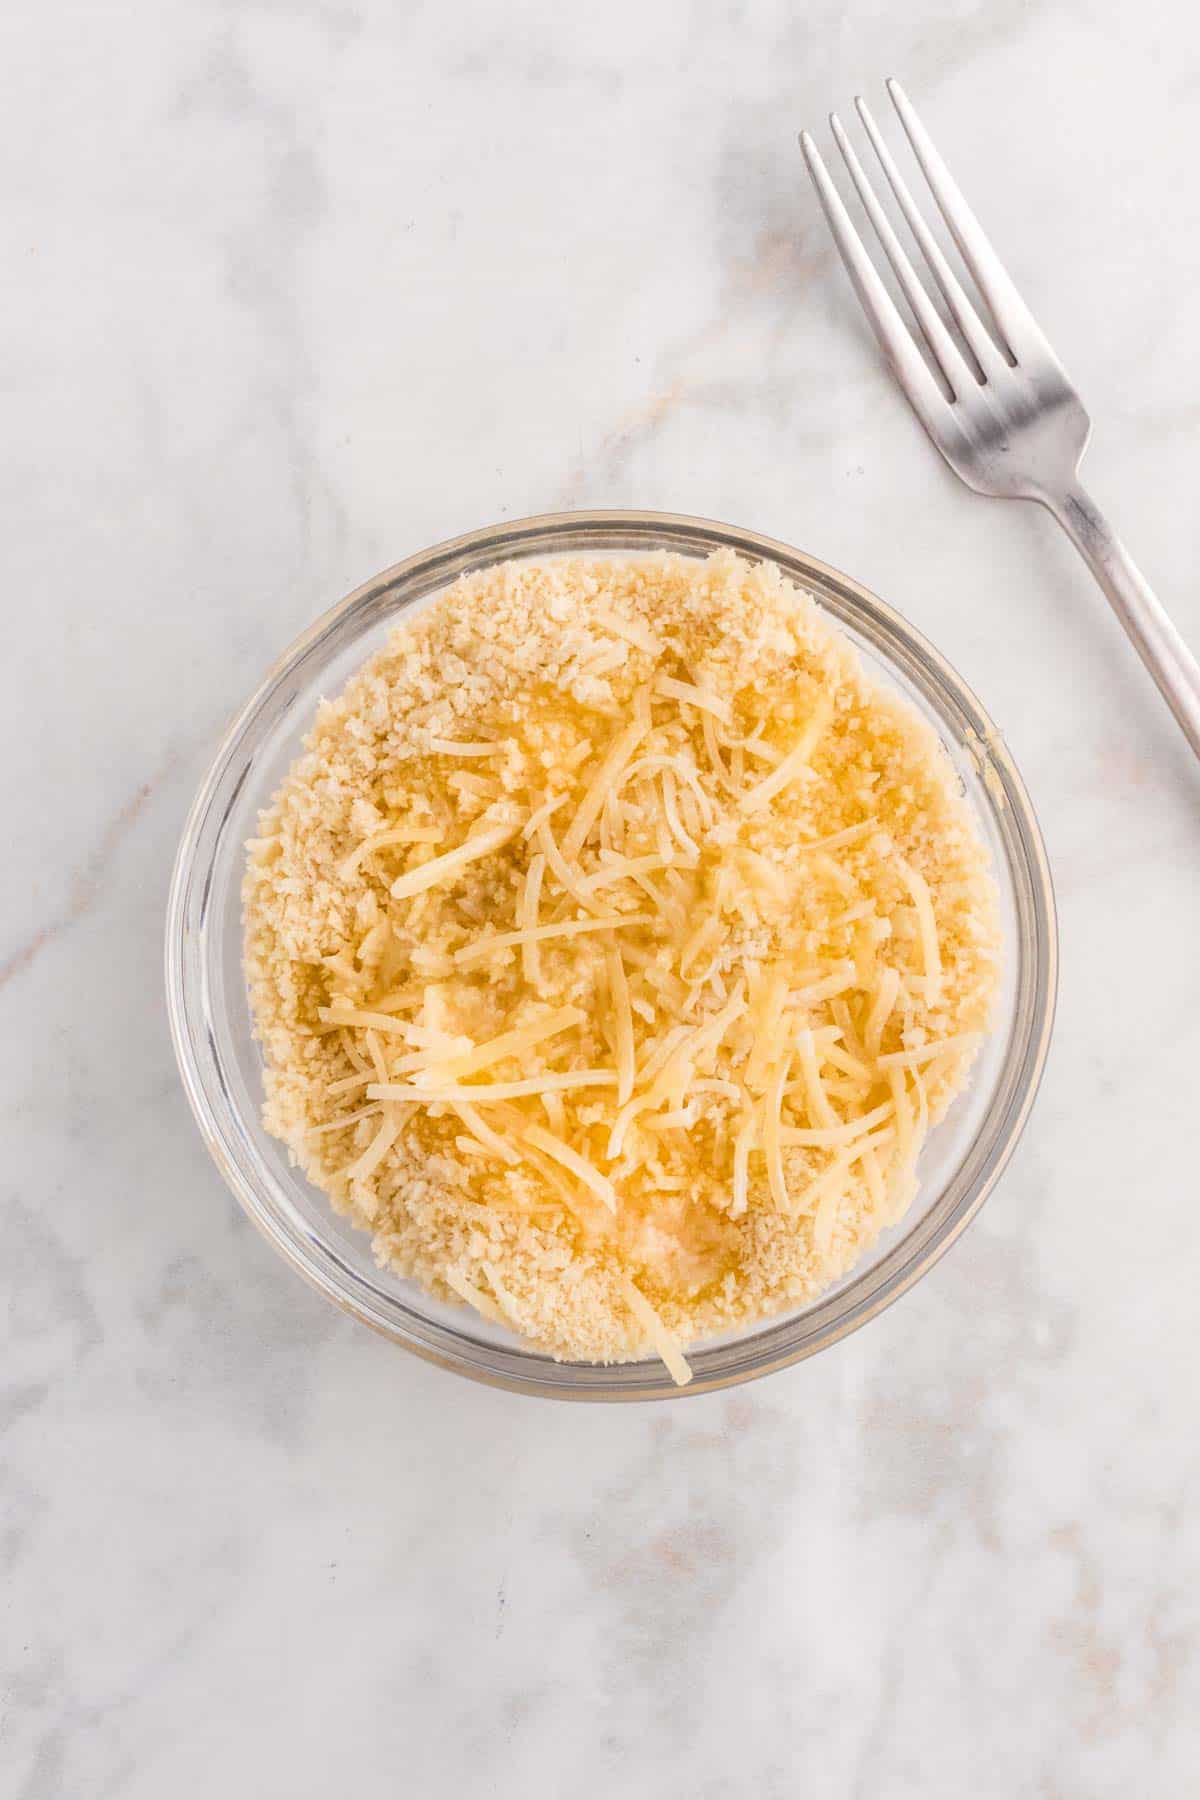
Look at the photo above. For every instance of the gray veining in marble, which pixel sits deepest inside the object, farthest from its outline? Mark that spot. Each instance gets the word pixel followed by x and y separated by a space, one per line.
pixel 292 290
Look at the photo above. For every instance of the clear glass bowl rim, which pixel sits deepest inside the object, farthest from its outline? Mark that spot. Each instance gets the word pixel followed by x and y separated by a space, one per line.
pixel 777 1344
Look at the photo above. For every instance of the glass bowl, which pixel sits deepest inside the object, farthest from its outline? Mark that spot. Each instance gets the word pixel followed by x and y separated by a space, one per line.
pixel 219 1059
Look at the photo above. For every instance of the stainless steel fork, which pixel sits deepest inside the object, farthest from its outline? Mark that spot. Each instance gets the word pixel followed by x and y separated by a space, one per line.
pixel 1004 414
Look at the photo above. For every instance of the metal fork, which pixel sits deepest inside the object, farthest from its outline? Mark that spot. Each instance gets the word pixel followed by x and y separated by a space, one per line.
pixel 1008 421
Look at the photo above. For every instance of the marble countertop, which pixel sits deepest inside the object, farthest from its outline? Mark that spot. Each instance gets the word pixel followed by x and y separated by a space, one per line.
pixel 295 288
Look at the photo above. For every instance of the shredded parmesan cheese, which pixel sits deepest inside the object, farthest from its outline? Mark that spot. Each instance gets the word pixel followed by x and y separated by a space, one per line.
pixel 773 1137
pixel 491 1090
pixel 365 1165
pixel 531 964
pixel 918 887
pixel 614 945
pixel 631 630
pixel 880 1011
pixel 691 695
pixel 579 1166
pixel 442 868
pixel 794 766
pixel 384 840
pixel 450 747
pixel 475 1297
pixel 484 949
pixel 742 1146
pixel 488 1139
pixel 663 1340
pixel 605 779
pixel 618 988
pixel 510 1045
pixel 913 1059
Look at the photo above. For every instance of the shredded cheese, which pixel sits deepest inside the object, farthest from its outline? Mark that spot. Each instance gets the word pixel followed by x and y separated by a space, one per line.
pixel 913 1059
pixel 632 630
pixel 579 1166
pixel 344 1120
pixel 742 1146
pixel 436 1068
pixel 444 868
pixel 484 949
pixel 475 1297
pixel 812 1085
pixel 592 961
pixel 664 1342
pixel 618 754
pixel 545 811
pixel 768 1038
pixel 462 747
pixel 773 1136
pixel 491 1090
pixel 882 1003
pixel 795 765
pixel 489 1141
pixel 906 1144
pixel 825 1195
pixel 691 695
pixel 527 923
pixel 567 878
pixel 365 1165
pixel 511 1309
pixel 366 1021
pixel 918 887
pixel 839 1135
pixel 671 814
pixel 622 868
pixel 384 840
pixel 618 987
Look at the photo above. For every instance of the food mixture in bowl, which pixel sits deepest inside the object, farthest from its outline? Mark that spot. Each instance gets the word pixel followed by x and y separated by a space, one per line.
pixel 613 946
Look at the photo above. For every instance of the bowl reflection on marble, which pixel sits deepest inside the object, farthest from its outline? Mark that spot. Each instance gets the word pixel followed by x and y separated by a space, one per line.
pixel 219 1059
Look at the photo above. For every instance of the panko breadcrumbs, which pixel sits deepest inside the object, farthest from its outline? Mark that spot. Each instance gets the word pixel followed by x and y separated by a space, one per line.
pixel 612 947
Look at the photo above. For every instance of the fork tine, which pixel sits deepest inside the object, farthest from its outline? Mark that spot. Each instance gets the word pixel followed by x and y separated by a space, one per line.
pixel 1015 321
pixel 946 354
pixel 965 317
pixel 894 336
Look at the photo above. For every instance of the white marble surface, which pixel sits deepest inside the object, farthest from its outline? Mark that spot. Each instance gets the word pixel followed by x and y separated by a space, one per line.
pixel 295 289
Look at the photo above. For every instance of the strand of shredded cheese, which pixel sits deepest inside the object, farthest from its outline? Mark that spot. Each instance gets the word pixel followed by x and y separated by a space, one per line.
pixel 365 1165
pixel 545 811
pixel 443 868
pixel 579 1166
pixel 483 949
pixel 484 1091
pixel 743 1144
pixel 618 754
pixel 632 630
pixel 795 765
pixel 773 1135
pixel 566 877
pixel 618 986
pixel 437 1068
pixel 462 747
pixel 912 1059
pixel 691 695
pixel 663 1340
pixel 344 1119
pixel 880 1010
pixel 489 1141
pixel 527 921
pixel 918 887
pixel 813 1087
pixel 839 1135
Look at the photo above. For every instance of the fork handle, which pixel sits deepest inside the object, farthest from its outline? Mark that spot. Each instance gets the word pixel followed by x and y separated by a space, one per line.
pixel 1154 637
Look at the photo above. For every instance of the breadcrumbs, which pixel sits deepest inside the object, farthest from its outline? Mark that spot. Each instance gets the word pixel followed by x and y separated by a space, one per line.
pixel 613 945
